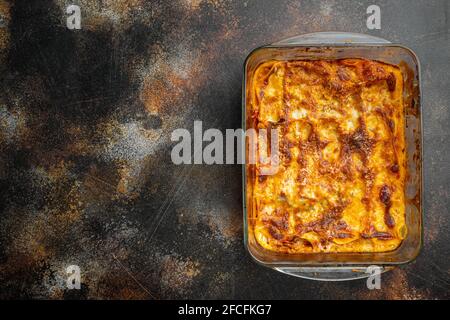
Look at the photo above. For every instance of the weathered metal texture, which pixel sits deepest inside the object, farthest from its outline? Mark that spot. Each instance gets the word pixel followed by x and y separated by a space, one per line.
pixel 85 123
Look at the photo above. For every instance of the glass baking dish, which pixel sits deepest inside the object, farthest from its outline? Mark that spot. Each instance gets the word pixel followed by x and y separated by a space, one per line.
pixel 339 45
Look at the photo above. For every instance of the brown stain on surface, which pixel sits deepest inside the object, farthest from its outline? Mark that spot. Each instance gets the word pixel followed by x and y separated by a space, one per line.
pixel 395 286
pixel 178 274
pixel 4 25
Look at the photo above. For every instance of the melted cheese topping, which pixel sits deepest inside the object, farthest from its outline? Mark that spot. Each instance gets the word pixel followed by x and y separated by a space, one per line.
pixel 341 177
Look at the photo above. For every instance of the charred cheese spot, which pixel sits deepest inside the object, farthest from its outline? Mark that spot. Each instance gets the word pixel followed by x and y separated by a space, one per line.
pixel 340 187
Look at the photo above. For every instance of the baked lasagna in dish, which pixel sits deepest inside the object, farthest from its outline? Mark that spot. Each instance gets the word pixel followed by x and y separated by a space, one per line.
pixel 340 181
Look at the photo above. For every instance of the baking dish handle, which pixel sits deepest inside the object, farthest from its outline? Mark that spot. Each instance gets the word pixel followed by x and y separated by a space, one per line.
pixel 340 273
pixel 331 38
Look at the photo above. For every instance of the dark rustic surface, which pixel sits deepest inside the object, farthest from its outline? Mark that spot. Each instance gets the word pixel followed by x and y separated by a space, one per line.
pixel 85 123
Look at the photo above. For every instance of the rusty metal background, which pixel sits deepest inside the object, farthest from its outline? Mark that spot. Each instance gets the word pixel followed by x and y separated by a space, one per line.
pixel 85 123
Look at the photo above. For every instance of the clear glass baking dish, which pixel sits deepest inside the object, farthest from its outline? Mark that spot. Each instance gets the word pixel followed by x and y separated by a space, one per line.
pixel 339 45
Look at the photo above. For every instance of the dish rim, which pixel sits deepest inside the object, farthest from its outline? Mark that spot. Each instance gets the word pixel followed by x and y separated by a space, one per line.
pixel 419 162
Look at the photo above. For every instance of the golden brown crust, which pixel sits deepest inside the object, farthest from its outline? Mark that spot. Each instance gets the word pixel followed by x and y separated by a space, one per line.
pixel 340 186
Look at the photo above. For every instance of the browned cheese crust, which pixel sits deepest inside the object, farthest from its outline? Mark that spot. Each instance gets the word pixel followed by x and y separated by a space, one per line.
pixel 340 183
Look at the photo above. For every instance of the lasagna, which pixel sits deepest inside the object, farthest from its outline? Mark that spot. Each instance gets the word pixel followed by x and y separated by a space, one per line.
pixel 339 184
